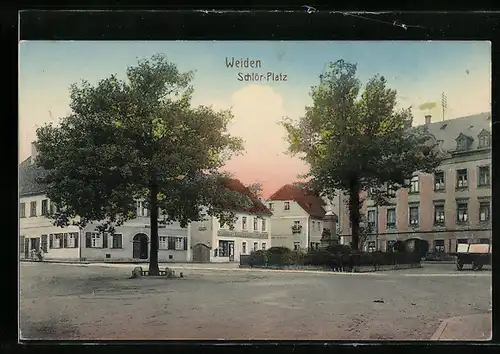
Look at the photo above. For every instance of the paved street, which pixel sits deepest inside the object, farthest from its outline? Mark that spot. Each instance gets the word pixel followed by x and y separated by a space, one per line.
pixel 63 301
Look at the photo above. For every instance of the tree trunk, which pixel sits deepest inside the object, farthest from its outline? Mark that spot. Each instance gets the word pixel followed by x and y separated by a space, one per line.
pixel 354 213
pixel 153 217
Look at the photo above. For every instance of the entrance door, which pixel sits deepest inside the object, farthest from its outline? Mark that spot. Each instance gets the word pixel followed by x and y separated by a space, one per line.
pixel 35 244
pixel 26 248
pixel 231 251
pixel 201 253
pixel 140 246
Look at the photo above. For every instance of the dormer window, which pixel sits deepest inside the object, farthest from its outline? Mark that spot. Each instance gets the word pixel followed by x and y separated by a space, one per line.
pixel 484 139
pixel 463 142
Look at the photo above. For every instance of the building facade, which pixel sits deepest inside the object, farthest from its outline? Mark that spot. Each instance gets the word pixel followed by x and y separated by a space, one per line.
pixel 448 207
pixel 214 242
pixel 297 218
pixel 131 241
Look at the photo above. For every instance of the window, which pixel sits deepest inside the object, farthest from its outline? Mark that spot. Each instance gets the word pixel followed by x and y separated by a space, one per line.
pixel 391 218
pixel 263 245
pixel 414 215
pixel 484 140
pixel 244 248
pixel 414 185
pixel 45 207
pixel 462 178
pixel 287 205
pixel 391 193
pixel 319 225
pixel 243 222
pixel 55 241
pixel 390 245
pixel 178 243
pixel 71 239
pixel 484 211
pixel 296 228
pixel 263 224
pixel 371 246
pixel 163 243
pixel 96 240
pixel 223 248
pixel 255 246
pixel 484 176
pixel 296 246
pixel 142 210
pixel 439 183
pixel 117 241
pixel 438 245
pixel 33 209
pixel 255 223
pixel 22 210
pixel 462 143
pixel 313 225
pixel 462 215
pixel 371 218
pixel 438 214
pixel 271 206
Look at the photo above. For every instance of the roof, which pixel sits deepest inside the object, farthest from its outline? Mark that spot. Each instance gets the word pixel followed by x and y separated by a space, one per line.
pixel 28 174
pixel 313 205
pixel 257 206
pixel 470 126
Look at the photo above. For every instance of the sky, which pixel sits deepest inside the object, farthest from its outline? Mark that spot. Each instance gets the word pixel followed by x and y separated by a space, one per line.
pixel 419 71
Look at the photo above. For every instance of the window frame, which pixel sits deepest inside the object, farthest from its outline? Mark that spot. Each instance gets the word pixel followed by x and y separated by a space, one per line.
pixel 442 184
pixel 414 181
pixel 412 221
pixel 488 176
pixel 465 181
pixel 460 208
pixel 33 206
pixel 438 221
pixel 286 206
pixel 390 225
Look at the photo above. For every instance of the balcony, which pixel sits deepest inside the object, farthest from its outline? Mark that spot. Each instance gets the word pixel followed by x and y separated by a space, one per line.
pixel 296 229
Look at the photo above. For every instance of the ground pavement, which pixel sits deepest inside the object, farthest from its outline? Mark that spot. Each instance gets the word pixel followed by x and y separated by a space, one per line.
pixel 63 301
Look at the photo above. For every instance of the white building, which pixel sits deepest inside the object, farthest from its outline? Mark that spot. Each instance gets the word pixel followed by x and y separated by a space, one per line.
pixel 213 242
pixel 131 241
pixel 297 218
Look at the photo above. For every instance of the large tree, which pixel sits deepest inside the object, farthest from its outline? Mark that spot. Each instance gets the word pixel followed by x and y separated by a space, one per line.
pixel 356 139
pixel 138 139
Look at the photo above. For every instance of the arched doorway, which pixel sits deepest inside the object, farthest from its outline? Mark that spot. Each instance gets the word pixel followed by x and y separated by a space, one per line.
pixel 140 246
pixel 417 245
pixel 201 253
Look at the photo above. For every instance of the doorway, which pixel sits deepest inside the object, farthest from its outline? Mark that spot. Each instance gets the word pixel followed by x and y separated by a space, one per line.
pixel 140 246
pixel 231 251
pixel 201 253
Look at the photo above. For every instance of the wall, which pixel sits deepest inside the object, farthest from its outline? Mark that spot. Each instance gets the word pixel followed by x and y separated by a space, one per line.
pixel 240 235
pixel 283 220
pixel 34 227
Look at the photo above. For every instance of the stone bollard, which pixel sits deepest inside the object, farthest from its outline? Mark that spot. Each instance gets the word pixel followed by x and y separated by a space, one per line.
pixel 137 272
pixel 169 273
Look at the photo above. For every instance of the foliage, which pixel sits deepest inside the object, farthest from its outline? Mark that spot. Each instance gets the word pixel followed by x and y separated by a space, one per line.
pixel 356 139
pixel 138 139
pixel 255 189
pixel 335 258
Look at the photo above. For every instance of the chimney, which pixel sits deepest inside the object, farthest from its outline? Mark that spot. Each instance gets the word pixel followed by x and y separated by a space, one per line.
pixel 428 119
pixel 34 152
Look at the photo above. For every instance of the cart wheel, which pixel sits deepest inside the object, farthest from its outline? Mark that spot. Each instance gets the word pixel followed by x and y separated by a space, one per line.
pixel 479 267
pixel 460 266
pixel 475 266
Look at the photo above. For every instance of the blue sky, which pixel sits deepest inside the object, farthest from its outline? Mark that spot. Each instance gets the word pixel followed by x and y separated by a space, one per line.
pixel 420 71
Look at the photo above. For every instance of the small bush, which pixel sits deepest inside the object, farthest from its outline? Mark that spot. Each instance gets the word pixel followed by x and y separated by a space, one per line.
pixel 279 256
pixel 342 249
pixel 258 258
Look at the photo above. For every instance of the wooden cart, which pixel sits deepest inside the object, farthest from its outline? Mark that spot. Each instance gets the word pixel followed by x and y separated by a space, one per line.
pixel 477 255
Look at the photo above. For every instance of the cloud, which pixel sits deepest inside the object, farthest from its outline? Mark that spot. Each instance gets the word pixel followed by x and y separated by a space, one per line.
pixel 427 106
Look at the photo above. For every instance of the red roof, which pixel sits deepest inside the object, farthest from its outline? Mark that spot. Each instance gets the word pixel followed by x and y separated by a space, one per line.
pixel 258 207
pixel 312 204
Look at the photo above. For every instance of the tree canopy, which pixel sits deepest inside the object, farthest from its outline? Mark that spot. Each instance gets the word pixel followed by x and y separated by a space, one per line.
pixel 139 139
pixel 355 138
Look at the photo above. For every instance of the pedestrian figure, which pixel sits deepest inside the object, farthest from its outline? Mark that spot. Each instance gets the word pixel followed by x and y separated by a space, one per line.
pixel 40 255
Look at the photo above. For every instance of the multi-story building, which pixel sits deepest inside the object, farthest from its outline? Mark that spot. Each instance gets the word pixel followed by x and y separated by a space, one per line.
pixel 130 242
pixel 214 242
pixel 448 207
pixel 298 218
